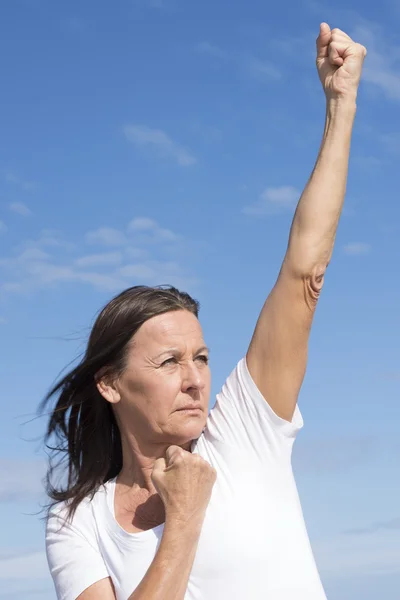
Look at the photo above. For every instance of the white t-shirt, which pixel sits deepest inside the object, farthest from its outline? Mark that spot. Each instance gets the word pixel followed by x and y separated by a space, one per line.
pixel 253 544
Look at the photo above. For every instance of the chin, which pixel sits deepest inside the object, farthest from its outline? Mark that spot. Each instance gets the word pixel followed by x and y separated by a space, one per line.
pixel 189 432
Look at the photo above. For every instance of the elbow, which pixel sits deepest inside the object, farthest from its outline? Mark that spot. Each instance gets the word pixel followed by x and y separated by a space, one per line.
pixel 313 283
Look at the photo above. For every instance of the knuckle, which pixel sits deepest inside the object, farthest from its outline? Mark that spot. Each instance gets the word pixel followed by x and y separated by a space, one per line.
pixel 197 459
pixel 178 459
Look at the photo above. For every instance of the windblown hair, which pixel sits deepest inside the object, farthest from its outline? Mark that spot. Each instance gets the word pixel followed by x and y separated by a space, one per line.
pixel 82 431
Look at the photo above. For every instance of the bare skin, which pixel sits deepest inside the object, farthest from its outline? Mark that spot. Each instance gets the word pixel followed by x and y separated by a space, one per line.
pixel 160 480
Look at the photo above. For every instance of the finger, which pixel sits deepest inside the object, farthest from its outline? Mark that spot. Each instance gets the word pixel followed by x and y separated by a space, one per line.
pixel 172 453
pixel 336 53
pixel 323 40
pixel 339 35
pixel 159 466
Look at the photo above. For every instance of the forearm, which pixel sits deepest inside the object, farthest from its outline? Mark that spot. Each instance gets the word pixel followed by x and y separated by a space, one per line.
pixel 314 226
pixel 168 574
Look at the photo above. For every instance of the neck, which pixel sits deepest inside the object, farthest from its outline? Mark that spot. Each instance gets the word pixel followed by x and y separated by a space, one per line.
pixel 138 460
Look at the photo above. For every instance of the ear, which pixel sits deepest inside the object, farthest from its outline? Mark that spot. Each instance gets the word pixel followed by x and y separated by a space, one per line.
pixel 107 387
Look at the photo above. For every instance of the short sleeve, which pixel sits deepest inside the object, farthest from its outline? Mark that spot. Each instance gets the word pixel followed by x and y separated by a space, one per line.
pixel 73 555
pixel 243 418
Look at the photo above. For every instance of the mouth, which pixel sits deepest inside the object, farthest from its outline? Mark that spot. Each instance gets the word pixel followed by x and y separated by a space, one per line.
pixel 190 408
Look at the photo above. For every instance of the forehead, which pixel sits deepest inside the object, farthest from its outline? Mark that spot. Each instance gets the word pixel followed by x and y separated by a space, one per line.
pixel 177 328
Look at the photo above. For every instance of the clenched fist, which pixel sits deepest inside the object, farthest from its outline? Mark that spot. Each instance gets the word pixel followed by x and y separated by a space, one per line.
pixel 339 62
pixel 184 481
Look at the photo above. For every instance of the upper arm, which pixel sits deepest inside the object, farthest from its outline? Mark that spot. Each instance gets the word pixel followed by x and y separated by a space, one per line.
pixel 101 590
pixel 74 558
pixel 277 355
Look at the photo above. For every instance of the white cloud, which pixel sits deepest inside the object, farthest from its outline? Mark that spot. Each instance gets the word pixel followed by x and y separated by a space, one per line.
pixel 50 260
pixel 3 227
pixel 259 70
pixel 382 68
pixel 262 70
pixel 211 50
pixel 11 177
pixel 274 200
pixel 33 254
pixel 99 260
pixel 357 248
pixel 160 143
pixel 152 230
pixel 139 271
pixel 107 236
pixel 20 208
pixel 136 253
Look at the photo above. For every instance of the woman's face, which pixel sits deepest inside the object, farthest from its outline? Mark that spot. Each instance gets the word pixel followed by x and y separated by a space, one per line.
pixel 162 396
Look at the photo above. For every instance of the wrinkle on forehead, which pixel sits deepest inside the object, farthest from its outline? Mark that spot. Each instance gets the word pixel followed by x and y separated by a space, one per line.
pixel 170 330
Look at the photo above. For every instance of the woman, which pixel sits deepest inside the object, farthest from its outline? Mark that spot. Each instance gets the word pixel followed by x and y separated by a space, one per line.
pixel 161 500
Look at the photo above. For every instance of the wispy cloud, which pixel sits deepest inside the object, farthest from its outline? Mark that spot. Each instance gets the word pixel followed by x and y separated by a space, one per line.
pixel 3 227
pixel 150 231
pixel 160 143
pixel 382 68
pixel 357 248
pixel 210 49
pixel 139 255
pixel 273 200
pixel 262 70
pixel 11 177
pixel 104 259
pixel 20 208
pixel 107 236
pixel 390 525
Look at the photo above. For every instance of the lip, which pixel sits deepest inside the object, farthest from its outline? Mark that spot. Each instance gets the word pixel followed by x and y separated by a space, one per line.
pixel 190 408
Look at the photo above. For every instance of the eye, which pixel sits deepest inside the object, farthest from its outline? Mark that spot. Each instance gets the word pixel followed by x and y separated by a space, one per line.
pixel 203 358
pixel 169 361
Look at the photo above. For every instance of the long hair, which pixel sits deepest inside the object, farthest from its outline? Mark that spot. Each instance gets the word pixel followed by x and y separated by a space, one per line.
pixel 82 430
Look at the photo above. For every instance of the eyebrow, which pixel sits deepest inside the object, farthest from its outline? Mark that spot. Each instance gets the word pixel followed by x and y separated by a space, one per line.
pixel 177 351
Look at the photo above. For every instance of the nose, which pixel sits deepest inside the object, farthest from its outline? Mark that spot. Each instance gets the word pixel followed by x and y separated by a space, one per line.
pixel 192 378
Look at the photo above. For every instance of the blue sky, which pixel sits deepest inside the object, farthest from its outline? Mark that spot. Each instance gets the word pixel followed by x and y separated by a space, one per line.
pixel 163 141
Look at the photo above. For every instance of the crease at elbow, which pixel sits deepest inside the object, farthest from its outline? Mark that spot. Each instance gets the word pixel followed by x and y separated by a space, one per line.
pixel 313 284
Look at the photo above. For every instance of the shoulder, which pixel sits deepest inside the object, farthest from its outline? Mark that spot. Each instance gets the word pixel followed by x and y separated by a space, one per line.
pixel 81 523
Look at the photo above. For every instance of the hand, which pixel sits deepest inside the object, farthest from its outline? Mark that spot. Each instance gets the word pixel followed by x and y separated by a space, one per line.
pixel 339 63
pixel 184 481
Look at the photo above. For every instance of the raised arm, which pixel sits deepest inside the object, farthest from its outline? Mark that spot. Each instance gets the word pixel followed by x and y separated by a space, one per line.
pixel 277 355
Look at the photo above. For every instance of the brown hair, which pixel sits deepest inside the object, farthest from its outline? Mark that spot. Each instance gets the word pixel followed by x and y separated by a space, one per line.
pixel 82 427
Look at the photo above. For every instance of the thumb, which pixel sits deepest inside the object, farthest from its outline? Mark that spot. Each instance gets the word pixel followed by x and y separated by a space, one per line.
pixel 159 466
pixel 323 40
pixel 172 453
